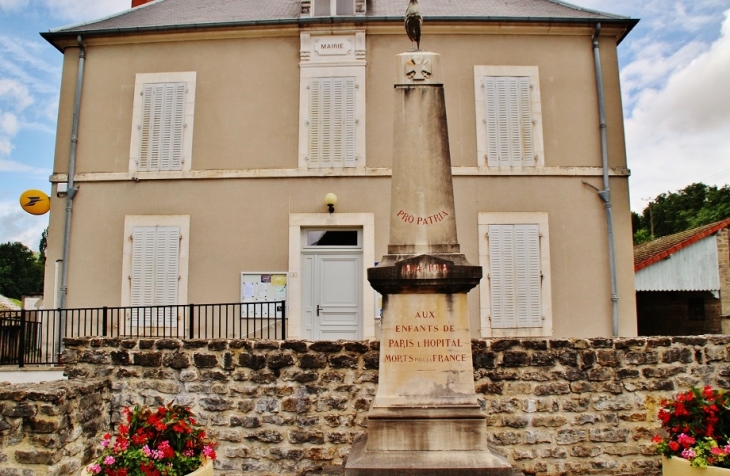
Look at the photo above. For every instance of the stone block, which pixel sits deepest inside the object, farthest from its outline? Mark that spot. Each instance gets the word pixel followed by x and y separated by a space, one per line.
pixel 205 361
pixel 313 361
pixel 147 359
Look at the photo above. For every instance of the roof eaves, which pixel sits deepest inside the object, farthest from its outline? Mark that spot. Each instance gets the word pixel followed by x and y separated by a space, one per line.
pixel 588 10
pixel 98 20
pixel 689 241
pixel 60 33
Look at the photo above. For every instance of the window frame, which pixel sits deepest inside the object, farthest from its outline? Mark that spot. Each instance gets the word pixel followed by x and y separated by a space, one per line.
pixel 141 80
pixel 531 72
pixel 485 219
pixel 326 71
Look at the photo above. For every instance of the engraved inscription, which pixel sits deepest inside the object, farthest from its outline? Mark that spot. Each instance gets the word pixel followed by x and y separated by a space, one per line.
pixel 446 347
pixel 416 220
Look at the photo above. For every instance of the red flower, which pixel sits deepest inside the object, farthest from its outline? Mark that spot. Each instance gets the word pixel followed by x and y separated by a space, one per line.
pixel 674 445
pixel 124 430
pixel 656 439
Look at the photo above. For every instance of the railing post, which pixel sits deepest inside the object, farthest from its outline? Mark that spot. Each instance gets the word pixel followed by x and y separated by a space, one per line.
pixel 21 343
pixel 283 320
pixel 103 321
pixel 191 321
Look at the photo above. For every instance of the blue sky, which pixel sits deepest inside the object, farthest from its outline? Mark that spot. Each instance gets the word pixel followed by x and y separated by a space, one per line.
pixel 675 67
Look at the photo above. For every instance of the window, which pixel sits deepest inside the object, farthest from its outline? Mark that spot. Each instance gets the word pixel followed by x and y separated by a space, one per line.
pixel 162 128
pixel 325 8
pixel 515 296
pixel 508 111
pixel 155 267
pixel 332 122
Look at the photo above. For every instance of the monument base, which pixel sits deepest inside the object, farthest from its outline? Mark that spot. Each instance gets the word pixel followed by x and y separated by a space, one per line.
pixel 425 441
pixel 362 462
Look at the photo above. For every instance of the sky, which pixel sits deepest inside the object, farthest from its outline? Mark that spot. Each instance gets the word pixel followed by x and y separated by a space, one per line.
pixel 674 66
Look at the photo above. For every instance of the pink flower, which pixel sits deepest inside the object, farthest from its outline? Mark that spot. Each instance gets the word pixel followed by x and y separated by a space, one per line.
pixel 105 443
pixel 94 468
pixel 188 453
pixel 688 454
pixel 717 451
pixel 109 460
pixel 146 451
pixel 686 440
pixel 208 451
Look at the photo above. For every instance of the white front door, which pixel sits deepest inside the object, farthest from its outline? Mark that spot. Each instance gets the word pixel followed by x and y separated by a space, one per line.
pixel 332 293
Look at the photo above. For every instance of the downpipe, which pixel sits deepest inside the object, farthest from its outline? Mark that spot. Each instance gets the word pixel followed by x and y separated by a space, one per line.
pixel 605 194
pixel 72 190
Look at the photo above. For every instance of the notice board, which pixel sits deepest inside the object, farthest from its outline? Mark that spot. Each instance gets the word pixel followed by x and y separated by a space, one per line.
pixel 260 288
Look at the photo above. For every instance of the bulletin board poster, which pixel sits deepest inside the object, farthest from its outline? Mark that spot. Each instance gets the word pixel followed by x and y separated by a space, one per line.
pixel 260 292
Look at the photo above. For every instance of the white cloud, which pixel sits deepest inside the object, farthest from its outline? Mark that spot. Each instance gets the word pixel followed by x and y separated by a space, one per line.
pixel 78 10
pixel 5 148
pixel 13 166
pixel 9 123
pixel 13 91
pixel 12 5
pixel 678 134
pixel 17 225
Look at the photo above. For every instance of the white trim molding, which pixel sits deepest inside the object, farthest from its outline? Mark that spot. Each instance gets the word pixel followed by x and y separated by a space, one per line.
pixel 297 221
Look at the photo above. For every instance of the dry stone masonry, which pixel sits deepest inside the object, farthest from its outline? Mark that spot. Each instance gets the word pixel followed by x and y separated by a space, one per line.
pixel 51 428
pixel 553 406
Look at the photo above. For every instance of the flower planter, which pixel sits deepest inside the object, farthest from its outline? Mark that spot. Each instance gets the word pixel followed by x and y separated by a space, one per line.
pixel 206 469
pixel 680 467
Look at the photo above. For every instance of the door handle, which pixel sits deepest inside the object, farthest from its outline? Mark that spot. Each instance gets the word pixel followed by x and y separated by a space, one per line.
pixel 318 308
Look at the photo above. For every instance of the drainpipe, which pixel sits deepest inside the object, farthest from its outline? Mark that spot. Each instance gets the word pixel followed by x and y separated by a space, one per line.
pixel 605 194
pixel 71 191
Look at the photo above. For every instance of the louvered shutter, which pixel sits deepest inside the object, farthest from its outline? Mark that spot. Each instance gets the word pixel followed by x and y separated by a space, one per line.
pixel 501 276
pixel 514 276
pixel 163 124
pixel 527 279
pixel 508 121
pixel 332 122
pixel 155 258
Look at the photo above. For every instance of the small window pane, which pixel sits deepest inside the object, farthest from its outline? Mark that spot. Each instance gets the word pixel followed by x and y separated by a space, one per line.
pixel 345 7
pixel 321 8
pixel 332 238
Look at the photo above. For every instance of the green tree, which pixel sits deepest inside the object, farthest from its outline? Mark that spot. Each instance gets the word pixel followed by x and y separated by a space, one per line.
pixel 20 272
pixel 695 205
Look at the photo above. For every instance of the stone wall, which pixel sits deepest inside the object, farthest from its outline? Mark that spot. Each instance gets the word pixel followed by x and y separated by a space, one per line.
pixel 559 406
pixel 51 428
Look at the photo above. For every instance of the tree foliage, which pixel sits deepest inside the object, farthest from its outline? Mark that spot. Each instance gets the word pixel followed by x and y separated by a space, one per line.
pixel 695 205
pixel 20 272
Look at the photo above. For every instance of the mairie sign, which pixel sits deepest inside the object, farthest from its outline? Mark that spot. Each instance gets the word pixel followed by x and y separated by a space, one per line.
pixel 35 202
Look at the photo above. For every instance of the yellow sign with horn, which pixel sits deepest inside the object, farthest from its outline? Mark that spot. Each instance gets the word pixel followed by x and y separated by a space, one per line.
pixel 35 202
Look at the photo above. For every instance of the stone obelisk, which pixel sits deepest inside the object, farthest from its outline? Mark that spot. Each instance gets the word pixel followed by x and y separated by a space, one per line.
pixel 425 418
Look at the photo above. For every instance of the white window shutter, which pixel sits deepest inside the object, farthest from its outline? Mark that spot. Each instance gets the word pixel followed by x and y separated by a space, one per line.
pixel 163 125
pixel 155 270
pixel 514 276
pixel 350 87
pixel 508 121
pixel 332 122
pixel 528 282
pixel 492 118
pixel 315 123
pixel 501 276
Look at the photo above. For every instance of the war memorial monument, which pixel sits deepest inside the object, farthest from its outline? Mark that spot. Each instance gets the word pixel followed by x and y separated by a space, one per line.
pixel 425 418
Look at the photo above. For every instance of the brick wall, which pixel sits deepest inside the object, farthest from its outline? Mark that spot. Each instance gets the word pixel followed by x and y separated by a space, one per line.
pixel 560 406
pixel 723 251
pixel 51 428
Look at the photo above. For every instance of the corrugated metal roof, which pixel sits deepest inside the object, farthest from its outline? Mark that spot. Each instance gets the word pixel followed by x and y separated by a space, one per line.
pixel 693 268
pixel 167 14
pixel 653 251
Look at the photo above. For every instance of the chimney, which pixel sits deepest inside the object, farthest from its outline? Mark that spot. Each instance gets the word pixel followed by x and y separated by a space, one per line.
pixel 136 3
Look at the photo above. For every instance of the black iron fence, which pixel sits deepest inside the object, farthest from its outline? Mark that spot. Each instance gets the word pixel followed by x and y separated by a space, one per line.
pixel 32 337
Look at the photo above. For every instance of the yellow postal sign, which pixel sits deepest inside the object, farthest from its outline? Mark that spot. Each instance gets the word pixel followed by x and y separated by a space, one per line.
pixel 35 202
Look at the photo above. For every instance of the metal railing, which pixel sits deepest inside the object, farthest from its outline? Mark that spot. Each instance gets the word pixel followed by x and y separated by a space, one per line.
pixel 32 337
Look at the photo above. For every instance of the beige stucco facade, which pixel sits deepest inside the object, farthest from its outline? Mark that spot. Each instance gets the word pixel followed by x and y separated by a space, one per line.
pixel 245 181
